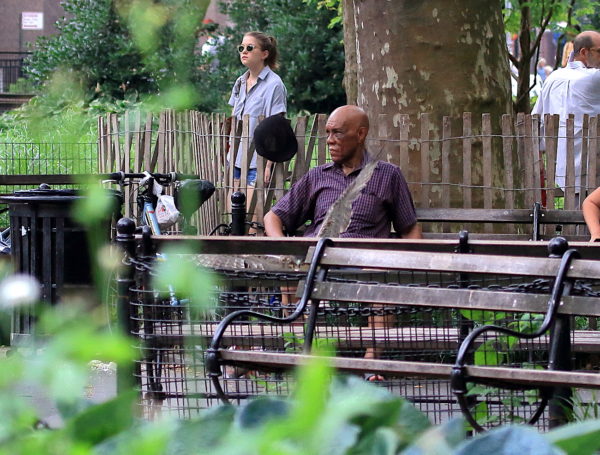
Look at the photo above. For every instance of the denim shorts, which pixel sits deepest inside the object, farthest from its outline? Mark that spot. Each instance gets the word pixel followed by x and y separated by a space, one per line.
pixel 237 174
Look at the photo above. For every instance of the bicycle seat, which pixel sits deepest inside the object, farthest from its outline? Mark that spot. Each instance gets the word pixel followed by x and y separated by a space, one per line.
pixel 191 194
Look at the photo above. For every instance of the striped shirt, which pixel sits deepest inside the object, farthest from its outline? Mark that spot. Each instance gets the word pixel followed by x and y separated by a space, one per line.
pixel 385 201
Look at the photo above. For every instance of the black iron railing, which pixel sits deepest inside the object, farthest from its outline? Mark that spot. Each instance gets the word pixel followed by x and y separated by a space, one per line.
pixel 11 68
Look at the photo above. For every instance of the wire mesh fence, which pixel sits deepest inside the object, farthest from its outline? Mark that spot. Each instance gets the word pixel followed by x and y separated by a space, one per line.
pixel 47 158
pixel 172 341
pixel 20 161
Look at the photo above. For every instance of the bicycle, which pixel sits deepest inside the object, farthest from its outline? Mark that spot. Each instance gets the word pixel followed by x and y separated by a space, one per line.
pixel 190 193
pixel 161 318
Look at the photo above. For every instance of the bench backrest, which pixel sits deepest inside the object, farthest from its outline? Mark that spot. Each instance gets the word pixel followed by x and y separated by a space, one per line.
pixel 453 263
pixel 532 221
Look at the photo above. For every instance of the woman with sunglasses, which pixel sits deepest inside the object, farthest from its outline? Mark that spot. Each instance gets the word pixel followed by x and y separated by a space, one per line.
pixel 259 91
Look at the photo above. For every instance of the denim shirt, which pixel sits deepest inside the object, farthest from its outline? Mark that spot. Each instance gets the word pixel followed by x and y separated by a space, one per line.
pixel 267 97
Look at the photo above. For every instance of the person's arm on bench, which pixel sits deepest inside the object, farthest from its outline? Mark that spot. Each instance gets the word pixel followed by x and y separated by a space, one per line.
pixel 273 225
pixel 413 232
pixel 591 214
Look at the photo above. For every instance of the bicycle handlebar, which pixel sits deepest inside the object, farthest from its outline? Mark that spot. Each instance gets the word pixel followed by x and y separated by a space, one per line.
pixel 160 178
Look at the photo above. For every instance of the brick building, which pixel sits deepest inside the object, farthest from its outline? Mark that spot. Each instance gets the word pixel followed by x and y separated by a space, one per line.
pixel 22 21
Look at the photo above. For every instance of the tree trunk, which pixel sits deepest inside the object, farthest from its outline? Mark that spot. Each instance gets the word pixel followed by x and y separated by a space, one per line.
pixel 522 104
pixel 350 69
pixel 440 57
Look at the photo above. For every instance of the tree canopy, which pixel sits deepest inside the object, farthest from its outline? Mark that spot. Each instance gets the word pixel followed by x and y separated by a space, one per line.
pixel 118 49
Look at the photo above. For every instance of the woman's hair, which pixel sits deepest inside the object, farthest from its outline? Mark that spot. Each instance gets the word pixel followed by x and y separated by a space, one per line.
pixel 267 43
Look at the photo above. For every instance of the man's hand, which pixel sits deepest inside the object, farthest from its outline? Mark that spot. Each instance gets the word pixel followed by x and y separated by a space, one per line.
pixel 413 232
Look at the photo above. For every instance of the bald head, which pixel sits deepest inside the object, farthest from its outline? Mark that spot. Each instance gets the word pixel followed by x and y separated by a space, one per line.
pixel 585 40
pixel 586 48
pixel 351 115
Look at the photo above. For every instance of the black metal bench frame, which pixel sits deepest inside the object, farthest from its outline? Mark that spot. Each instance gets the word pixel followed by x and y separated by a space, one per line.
pixel 551 383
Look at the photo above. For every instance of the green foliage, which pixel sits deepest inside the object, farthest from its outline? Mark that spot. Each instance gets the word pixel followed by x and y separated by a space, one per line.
pixel 344 417
pixel 581 438
pixel 333 5
pixel 146 50
pixel 115 47
pixel 311 54
pixel 558 10
pixel 93 43
pixel 580 407
pixel 513 439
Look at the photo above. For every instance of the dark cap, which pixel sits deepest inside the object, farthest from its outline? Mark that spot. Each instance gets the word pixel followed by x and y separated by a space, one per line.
pixel 275 140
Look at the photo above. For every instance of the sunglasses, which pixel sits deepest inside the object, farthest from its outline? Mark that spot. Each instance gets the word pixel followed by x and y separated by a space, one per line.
pixel 249 48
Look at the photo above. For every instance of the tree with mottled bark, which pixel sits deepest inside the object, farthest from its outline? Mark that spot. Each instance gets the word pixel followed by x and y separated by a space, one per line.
pixel 442 57
pixel 436 57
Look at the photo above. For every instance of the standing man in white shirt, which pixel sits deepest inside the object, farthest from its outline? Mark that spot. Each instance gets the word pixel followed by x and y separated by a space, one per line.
pixel 574 89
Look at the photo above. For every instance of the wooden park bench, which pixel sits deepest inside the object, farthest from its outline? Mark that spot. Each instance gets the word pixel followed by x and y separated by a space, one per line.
pixel 444 300
pixel 531 222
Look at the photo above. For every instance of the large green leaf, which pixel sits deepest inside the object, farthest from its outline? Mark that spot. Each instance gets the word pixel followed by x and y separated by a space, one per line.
pixel 580 438
pixel 202 433
pixel 375 407
pixel 382 441
pixel 439 440
pixel 258 412
pixel 510 440
pixel 343 441
pixel 148 438
pixel 102 421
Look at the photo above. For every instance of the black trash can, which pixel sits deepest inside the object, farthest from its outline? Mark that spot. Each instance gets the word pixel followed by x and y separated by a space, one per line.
pixel 47 243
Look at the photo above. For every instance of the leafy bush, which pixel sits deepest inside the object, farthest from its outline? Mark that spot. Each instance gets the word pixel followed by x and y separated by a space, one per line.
pixel 117 47
pixel 94 44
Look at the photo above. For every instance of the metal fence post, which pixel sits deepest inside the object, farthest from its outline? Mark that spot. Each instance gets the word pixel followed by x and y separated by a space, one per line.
pixel 238 213
pixel 560 405
pixel 125 279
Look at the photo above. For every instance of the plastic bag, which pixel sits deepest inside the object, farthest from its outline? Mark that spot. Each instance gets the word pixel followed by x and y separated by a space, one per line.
pixel 166 212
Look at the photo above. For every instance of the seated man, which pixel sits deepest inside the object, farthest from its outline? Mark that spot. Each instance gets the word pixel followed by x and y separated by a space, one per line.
pixel 385 200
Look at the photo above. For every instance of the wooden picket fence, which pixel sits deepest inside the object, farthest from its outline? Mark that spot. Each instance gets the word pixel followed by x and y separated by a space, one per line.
pixel 472 166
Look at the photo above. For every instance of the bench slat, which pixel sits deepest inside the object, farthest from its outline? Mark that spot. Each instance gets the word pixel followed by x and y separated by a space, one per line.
pixel 483 236
pixel 457 215
pixel 423 369
pixel 468 299
pixel 454 262
pixel 562 217
pixel 523 216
